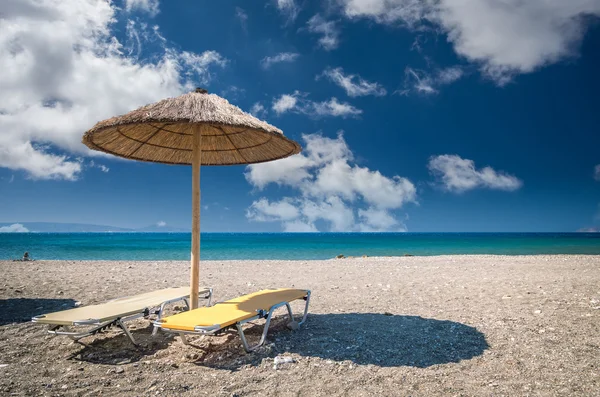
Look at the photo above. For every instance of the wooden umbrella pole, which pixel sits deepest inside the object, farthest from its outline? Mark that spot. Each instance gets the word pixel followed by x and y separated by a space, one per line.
pixel 195 257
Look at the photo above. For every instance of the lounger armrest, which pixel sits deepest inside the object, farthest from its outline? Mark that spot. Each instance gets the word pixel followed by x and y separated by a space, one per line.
pixel 157 323
pixel 208 329
pixel 89 321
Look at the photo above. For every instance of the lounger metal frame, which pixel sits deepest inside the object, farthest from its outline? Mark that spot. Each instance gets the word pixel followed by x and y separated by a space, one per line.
pixel 266 314
pixel 119 321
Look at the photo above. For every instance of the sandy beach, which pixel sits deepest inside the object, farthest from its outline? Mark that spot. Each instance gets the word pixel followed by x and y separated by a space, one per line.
pixel 445 325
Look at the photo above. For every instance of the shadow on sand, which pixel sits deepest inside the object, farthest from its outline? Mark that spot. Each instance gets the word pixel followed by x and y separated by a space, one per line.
pixel 21 310
pixel 114 348
pixel 362 338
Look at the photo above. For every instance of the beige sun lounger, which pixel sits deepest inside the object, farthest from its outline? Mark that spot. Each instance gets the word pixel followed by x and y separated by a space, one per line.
pixel 116 312
pixel 238 311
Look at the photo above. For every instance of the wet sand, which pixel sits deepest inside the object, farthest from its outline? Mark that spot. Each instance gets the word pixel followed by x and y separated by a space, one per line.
pixel 445 325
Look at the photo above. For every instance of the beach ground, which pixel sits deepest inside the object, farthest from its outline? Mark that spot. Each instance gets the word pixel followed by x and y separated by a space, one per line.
pixel 405 326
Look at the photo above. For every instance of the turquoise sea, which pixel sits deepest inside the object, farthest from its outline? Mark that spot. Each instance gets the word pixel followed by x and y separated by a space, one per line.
pixel 176 246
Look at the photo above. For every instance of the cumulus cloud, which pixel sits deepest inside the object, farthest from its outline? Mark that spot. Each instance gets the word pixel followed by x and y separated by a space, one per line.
pixel 63 69
pixel 597 172
pixel 161 223
pixel 460 175
pixel 263 210
pixel 354 85
pixel 375 220
pixel 332 107
pixel 258 110
pixel 288 8
pixel 505 38
pixel 14 228
pixel 424 83
pixel 298 103
pixel 267 62
pixel 332 190
pixel 285 103
pixel 149 6
pixel 328 30
pixel 298 226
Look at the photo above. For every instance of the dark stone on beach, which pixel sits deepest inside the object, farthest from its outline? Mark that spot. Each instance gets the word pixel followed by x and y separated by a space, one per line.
pixel 387 314
pixel 408 255
pixel 340 256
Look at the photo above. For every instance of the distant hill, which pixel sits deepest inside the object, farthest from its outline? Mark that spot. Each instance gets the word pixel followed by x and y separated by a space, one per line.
pixel 56 227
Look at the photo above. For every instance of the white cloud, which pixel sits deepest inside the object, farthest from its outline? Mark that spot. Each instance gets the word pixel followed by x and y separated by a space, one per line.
pixel 409 12
pixel 258 110
pixel 288 171
pixel 329 31
pixel 353 85
pixel 241 15
pixel 284 103
pixel 267 62
pixel 264 211
pixel 14 228
pixel 597 172
pixel 297 226
pixel 459 175
pixel 198 64
pixel 298 103
pixel 332 107
pixel 161 223
pixel 425 83
pixel 149 6
pixel 378 220
pixel 101 167
pixel 288 8
pixel 505 37
pixel 449 75
pixel 63 70
pixel 233 93
pixel 589 230
pixel 331 190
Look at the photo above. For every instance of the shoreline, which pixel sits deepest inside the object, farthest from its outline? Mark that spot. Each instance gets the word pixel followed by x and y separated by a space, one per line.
pixel 363 257
pixel 441 325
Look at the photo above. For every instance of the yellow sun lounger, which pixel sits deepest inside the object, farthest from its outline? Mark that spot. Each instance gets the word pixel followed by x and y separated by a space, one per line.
pixel 115 312
pixel 238 311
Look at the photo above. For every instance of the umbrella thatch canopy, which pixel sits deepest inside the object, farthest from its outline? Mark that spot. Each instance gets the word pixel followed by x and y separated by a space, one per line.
pixel 163 132
pixel 197 128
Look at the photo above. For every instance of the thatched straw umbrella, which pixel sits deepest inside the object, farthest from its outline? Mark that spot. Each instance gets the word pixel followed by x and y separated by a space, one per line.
pixel 195 128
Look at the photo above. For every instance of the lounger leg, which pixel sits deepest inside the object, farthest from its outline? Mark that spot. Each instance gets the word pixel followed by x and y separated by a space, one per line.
pixel 187 303
pixel 158 317
pixel 124 328
pixel 264 334
pixel 74 337
pixel 243 338
pixel 184 339
pixel 305 309
pixel 209 297
pixel 289 309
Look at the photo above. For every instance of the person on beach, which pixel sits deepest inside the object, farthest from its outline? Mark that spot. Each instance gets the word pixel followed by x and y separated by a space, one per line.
pixel 26 257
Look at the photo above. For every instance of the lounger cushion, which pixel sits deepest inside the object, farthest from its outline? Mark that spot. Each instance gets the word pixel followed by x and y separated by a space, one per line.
pixel 117 308
pixel 227 313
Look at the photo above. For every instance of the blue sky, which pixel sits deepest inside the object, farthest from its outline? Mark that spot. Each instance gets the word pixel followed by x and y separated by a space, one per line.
pixel 414 115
